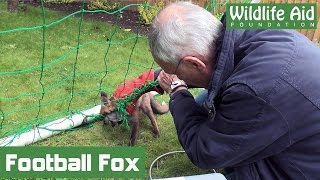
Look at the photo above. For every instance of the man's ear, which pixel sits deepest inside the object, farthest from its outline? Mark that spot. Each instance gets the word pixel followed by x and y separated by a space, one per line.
pixel 195 62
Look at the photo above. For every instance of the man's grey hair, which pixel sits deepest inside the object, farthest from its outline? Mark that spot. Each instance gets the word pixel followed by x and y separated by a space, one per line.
pixel 187 30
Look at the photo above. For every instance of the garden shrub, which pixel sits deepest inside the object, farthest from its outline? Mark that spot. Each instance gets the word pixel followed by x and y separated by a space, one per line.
pixel 103 4
pixel 146 13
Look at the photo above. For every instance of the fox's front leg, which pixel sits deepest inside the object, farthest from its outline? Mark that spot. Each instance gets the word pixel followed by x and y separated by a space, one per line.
pixel 135 124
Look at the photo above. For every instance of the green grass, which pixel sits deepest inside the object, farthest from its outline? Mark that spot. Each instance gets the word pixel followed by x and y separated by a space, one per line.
pixel 23 81
pixel 24 50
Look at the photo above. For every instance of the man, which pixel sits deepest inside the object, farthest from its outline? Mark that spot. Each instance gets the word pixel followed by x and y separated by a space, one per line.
pixel 261 119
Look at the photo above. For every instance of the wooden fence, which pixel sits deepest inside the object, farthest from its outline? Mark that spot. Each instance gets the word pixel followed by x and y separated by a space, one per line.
pixel 312 34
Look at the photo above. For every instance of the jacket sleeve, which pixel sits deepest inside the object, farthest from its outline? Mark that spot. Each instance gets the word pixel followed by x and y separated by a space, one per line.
pixel 245 128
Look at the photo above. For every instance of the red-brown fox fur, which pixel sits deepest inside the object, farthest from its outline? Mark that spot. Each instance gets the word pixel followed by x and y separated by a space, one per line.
pixel 146 103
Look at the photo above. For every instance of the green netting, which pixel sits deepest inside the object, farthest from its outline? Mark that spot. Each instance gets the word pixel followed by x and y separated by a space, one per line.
pixel 54 65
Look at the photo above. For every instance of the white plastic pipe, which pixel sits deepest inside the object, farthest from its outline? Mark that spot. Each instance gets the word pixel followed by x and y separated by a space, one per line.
pixel 212 176
pixel 255 1
pixel 49 129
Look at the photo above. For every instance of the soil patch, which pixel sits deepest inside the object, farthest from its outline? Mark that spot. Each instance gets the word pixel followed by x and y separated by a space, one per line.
pixel 126 19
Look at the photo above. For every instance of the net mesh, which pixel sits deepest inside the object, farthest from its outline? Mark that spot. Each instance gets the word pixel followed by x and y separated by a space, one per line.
pixel 54 65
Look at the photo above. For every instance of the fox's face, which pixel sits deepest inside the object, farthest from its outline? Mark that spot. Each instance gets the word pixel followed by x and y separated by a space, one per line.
pixel 108 109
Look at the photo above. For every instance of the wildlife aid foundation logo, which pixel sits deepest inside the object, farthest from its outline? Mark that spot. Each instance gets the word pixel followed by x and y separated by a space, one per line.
pixel 271 16
pixel 72 162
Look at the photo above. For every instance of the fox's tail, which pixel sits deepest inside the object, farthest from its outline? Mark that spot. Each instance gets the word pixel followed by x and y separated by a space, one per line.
pixel 158 108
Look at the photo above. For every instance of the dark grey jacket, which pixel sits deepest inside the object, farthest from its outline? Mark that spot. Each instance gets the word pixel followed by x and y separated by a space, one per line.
pixel 264 99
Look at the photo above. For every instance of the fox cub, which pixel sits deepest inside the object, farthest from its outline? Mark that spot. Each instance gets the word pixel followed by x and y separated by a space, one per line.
pixel 145 103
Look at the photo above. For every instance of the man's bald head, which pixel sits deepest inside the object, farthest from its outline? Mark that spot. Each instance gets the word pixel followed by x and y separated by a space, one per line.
pixel 172 10
pixel 181 29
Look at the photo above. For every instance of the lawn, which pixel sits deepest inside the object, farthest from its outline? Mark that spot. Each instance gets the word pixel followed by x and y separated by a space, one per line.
pixel 47 73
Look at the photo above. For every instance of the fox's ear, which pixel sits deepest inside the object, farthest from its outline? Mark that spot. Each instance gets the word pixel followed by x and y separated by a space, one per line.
pixel 104 100
pixel 103 94
pixel 104 97
pixel 112 101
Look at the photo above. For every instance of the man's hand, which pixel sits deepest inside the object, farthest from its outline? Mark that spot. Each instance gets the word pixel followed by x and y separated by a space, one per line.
pixel 165 80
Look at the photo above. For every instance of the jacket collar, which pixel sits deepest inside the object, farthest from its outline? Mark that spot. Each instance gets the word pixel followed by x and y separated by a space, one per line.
pixel 225 62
